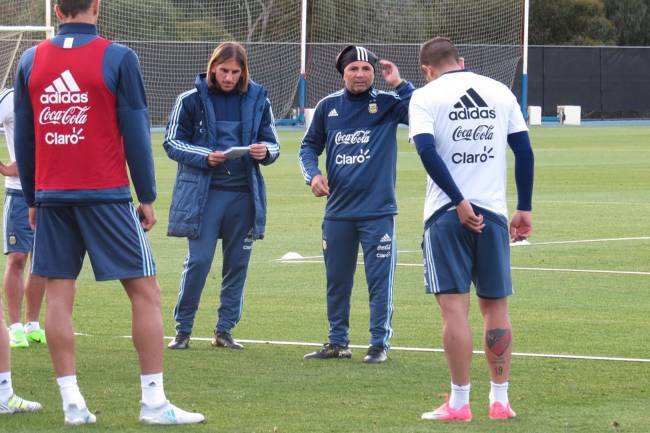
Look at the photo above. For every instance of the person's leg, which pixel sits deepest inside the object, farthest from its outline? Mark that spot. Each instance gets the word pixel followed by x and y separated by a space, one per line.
pixel 58 231
pixel 58 325
pixel 377 238
pixel 340 248
pixel 448 261
pixel 197 265
pixel 14 287
pixel 456 335
pixel 9 402
pixel 34 294
pixel 494 285
pixel 146 322
pixel 497 332
pixel 5 353
pixel 236 233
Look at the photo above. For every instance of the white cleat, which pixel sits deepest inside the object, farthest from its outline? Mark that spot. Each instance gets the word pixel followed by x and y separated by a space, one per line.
pixel 75 415
pixel 16 404
pixel 167 413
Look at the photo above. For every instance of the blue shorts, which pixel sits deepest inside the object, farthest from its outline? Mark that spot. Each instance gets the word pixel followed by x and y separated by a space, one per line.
pixel 111 233
pixel 18 235
pixel 454 257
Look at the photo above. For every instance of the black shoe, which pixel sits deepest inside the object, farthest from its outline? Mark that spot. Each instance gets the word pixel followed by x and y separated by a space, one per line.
pixel 181 341
pixel 330 351
pixel 224 339
pixel 375 355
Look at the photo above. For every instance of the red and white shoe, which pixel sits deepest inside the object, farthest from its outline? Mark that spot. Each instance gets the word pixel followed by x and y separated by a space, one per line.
pixel 499 411
pixel 447 413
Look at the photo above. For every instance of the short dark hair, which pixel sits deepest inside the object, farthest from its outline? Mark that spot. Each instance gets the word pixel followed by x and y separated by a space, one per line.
pixel 71 8
pixel 438 51
pixel 223 53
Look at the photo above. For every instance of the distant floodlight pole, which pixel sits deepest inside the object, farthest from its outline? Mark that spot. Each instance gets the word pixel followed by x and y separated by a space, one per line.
pixel 303 62
pixel 524 71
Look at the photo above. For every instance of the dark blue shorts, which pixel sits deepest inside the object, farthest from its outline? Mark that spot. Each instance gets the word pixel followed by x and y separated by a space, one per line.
pixel 111 233
pixel 18 235
pixel 454 257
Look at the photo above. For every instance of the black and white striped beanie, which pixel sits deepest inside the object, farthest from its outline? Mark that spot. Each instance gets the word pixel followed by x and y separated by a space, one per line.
pixel 354 53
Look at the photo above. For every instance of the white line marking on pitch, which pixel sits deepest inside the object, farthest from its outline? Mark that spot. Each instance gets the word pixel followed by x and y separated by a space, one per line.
pixel 514 268
pixel 296 257
pixel 435 350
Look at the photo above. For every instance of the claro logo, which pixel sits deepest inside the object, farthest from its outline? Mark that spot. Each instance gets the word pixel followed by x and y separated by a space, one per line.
pixel 359 158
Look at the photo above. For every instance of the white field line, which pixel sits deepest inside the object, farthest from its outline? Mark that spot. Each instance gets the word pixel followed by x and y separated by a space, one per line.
pixel 514 268
pixel 429 350
pixel 420 349
pixel 577 241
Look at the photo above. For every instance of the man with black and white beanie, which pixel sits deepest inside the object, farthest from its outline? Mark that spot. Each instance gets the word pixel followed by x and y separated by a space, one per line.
pixel 356 127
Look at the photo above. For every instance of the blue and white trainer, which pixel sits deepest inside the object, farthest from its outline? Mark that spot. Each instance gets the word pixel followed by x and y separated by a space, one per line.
pixel 166 414
pixel 76 414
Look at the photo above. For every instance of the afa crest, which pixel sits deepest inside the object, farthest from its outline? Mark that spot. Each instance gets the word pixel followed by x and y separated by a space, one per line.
pixel 372 108
pixel 12 240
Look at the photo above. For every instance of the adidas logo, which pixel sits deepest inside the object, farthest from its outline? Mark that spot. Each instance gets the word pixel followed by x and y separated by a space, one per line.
pixel 385 238
pixel 333 113
pixel 64 90
pixel 472 106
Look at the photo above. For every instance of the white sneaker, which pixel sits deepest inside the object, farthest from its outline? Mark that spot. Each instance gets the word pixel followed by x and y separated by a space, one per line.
pixel 16 404
pixel 167 413
pixel 76 415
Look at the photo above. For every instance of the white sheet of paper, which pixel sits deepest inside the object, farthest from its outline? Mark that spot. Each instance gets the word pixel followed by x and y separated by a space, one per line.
pixel 236 152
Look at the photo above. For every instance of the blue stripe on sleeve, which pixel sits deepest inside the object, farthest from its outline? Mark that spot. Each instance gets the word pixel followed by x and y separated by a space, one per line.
pixel 524 168
pixel 436 168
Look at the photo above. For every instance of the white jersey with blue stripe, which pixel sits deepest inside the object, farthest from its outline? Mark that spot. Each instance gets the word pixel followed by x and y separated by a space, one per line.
pixel 7 120
pixel 470 117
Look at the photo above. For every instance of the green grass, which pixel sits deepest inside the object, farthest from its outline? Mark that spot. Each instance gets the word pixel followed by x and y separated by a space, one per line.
pixel 591 183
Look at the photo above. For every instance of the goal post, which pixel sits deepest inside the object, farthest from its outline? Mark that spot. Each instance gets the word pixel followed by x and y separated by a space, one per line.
pixel 23 23
pixel 291 44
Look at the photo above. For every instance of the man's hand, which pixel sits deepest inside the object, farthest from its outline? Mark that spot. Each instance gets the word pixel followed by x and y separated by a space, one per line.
pixel 521 225
pixel 147 215
pixel 390 73
pixel 215 158
pixel 32 218
pixel 469 220
pixel 9 169
pixel 258 151
pixel 319 186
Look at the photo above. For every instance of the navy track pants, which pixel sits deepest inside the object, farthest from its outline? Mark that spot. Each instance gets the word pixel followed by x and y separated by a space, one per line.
pixel 341 240
pixel 228 215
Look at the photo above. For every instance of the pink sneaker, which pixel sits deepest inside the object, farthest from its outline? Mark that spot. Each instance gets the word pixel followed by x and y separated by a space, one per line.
pixel 446 413
pixel 499 411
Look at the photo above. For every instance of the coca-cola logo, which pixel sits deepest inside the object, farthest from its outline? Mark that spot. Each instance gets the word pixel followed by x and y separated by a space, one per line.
pixel 481 132
pixel 356 137
pixel 74 115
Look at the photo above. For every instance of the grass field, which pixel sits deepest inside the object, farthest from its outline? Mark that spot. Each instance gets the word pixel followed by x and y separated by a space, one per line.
pixel 591 183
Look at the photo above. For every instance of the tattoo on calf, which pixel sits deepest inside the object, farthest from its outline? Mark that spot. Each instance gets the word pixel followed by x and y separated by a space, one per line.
pixel 498 340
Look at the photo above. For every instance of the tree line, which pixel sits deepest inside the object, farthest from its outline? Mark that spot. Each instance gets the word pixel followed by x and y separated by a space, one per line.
pixel 589 22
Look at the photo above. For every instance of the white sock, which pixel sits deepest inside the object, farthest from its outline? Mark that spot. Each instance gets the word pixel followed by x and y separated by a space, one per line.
pixel 15 326
pixel 6 391
pixel 499 392
pixel 31 327
pixel 153 392
pixel 70 391
pixel 459 396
